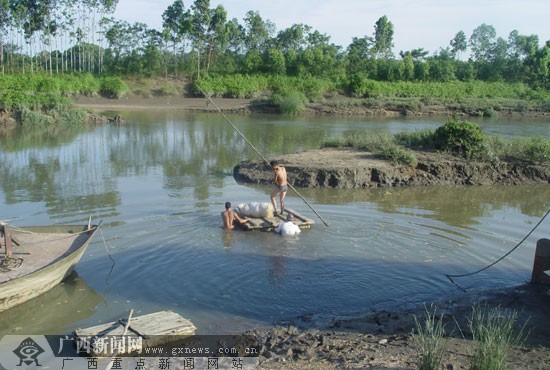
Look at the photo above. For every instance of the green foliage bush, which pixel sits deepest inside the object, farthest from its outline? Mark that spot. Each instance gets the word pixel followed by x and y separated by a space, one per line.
pixel 292 102
pixel 252 86
pixel 535 150
pixel 359 85
pixel 460 138
pixel 166 90
pixel 398 155
pixel 113 87
pixel 28 117
pixel 232 86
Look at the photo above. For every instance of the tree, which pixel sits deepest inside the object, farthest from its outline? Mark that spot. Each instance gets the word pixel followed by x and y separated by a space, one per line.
pixel 358 53
pixel 235 36
pixel 217 32
pixel 458 44
pixel 275 62
pixel 442 66
pixel 293 37
pixel 383 38
pixel 175 22
pixel 200 22
pixel 258 32
pixel 482 42
pixel 4 19
pixel 538 67
pixel 408 66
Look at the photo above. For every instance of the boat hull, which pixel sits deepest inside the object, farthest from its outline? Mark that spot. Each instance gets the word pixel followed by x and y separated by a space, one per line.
pixel 32 284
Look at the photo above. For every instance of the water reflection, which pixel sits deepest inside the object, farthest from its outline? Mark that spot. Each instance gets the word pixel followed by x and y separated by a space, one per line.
pixel 70 301
pixel 455 206
pixel 160 182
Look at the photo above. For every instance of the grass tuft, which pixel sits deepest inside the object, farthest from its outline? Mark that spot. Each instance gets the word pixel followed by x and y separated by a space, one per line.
pixel 494 334
pixel 429 340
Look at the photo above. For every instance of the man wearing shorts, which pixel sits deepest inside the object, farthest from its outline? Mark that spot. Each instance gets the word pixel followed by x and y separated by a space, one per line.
pixel 281 185
pixel 230 218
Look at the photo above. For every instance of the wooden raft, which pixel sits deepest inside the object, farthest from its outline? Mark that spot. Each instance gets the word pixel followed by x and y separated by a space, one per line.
pixel 163 323
pixel 269 224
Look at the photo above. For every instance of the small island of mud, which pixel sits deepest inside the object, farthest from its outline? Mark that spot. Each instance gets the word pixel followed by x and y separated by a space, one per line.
pixel 355 168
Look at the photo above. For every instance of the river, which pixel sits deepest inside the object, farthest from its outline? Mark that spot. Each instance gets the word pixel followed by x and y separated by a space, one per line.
pixel 159 183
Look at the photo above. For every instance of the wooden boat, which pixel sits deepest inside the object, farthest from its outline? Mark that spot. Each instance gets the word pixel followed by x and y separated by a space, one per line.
pixel 270 224
pixel 41 258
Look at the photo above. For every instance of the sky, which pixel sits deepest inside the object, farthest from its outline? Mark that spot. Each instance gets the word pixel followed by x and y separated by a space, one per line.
pixel 427 24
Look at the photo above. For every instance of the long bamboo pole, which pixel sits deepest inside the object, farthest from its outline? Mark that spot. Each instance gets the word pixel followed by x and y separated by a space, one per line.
pixel 260 154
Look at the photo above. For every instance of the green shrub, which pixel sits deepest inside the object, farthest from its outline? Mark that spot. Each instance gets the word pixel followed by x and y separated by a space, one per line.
pixel 398 155
pixel 460 138
pixel 28 117
pixel 536 150
pixel 166 90
pixel 70 116
pixel 113 87
pixel 489 112
pixel 290 103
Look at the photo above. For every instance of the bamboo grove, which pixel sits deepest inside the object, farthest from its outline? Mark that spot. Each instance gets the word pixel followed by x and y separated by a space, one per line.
pixel 73 36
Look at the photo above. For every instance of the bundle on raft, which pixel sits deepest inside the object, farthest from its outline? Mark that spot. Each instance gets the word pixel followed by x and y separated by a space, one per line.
pixel 262 217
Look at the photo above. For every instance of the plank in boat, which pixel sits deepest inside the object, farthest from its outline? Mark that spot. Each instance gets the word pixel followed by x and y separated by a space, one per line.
pixel 154 328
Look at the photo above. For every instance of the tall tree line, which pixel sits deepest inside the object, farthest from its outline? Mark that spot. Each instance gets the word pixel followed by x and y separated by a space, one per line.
pixel 53 35
pixel 197 40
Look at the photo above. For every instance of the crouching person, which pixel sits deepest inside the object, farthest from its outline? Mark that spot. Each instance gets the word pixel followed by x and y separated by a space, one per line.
pixel 289 227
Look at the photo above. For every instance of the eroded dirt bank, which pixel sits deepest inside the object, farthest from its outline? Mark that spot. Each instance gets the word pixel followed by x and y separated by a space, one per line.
pixel 352 168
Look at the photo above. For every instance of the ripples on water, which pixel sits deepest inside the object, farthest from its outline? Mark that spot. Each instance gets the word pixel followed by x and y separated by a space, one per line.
pixel 161 210
pixel 367 258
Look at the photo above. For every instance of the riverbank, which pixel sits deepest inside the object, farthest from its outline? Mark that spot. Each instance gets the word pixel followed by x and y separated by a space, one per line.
pixel 356 168
pixel 382 339
pixel 335 106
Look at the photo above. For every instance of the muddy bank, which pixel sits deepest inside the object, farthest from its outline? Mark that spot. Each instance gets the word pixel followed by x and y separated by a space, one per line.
pixel 382 339
pixel 334 106
pixel 353 168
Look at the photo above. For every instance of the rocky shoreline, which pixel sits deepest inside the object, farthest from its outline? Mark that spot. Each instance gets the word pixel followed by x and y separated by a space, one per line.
pixel 355 168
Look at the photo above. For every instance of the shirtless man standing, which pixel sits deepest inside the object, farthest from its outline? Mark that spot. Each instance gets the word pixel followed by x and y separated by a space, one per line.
pixel 281 185
pixel 229 217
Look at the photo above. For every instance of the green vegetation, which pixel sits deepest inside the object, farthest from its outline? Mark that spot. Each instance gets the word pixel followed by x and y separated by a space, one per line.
pixel 290 103
pixel 464 139
pixel 113 87
pixel 429 341
pixel 40 99
pixel 459 138
pixel 382 144
pixel 494 333
pixel 223 57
